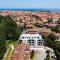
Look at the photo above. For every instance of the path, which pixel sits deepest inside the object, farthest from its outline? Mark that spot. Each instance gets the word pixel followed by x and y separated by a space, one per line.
pixel 8 53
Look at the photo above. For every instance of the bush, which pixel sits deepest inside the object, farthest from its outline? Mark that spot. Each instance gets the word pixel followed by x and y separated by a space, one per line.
pixel 32 54
pixel 47 56
pixel 48 51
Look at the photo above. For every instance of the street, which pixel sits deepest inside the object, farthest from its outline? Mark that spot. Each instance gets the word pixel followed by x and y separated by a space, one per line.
pixel 41 55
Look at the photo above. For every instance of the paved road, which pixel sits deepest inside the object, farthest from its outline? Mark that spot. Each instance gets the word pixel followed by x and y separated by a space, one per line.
pixel 41 55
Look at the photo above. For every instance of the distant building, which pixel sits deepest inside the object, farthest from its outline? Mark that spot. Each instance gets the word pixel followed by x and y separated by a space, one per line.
pixel 34 40
pixel 44 20
pixel 21 52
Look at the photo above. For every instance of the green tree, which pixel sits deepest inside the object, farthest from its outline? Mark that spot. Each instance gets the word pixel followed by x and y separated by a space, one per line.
pixel 2 44
pixel 50 20
pixel 50 40
pixel 48 51
pixel 57 50
pixel 8 31
pixel 56 29
pixel 32 54
pixel 10 28
pixel 58 22
pixel 48 57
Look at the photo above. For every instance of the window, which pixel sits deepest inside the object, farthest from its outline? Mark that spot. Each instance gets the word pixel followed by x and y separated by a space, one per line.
pixel 20 41
pixel 31 42
pixel 23 37
pixel 39 40
pixel 32 37
pixel 38 37
pixel 35 37
pixel 27 37
pixel 39 43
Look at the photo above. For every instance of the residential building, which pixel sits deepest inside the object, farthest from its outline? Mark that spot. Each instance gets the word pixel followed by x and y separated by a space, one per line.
pixel 44 31
pixel 21 52
pixel 34 40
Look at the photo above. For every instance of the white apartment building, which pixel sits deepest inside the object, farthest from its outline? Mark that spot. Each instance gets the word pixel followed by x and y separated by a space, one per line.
pixel 34 40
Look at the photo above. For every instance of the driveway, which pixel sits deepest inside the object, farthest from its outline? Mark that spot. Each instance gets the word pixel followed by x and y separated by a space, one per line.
pixel 41 55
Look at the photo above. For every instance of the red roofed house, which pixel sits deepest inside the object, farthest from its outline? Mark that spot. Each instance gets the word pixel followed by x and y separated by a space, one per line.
pixel 21 52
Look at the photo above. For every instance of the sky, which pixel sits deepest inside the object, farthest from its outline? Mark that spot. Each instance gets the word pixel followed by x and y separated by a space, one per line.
pixel 47 4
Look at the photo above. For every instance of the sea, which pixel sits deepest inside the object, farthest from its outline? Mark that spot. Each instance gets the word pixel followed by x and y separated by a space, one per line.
pixel 31 9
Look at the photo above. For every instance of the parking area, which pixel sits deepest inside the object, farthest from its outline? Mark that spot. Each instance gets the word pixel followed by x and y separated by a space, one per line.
pixel 41 55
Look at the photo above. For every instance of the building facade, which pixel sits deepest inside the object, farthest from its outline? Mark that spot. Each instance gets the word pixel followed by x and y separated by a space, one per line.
pixel 34 40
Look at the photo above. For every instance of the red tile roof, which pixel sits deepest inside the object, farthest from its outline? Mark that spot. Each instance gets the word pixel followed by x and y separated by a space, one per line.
pixel 22 51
